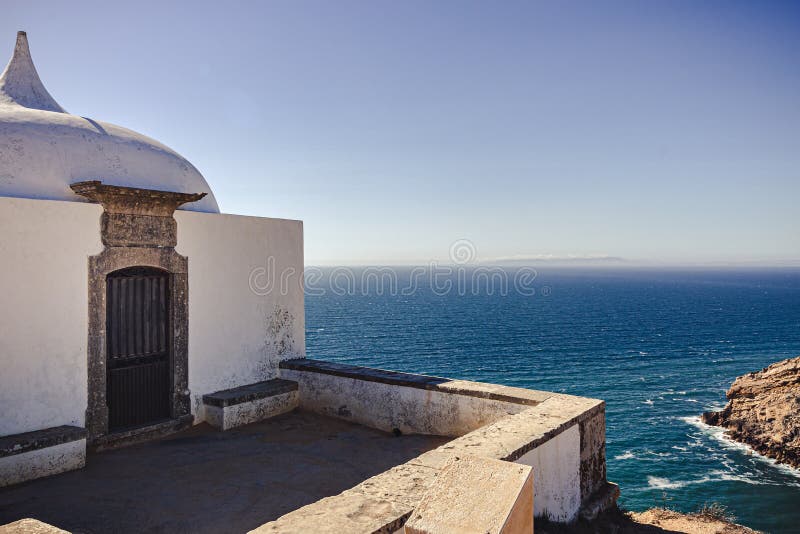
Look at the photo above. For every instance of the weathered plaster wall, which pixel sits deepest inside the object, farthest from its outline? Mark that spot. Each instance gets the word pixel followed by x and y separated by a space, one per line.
pixel 556 476
pixel 388 407
pixel 237 334
pixel 593 454
pixel 245 299
pixel 560 436
pixel 42 462
pixel 227 417
pixel 44 246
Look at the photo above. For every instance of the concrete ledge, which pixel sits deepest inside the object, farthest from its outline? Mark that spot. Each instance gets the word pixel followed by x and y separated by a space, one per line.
pixel 41 453
pixel 474 494
pixel 251 403
pixel 482 390
pixel 395 407
pixel 250 392
pixel 39 439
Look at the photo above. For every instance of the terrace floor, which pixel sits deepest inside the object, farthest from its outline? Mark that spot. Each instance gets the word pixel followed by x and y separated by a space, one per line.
pixel 202 480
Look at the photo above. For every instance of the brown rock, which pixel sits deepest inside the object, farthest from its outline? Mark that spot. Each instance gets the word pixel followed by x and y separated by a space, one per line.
pixel 763 411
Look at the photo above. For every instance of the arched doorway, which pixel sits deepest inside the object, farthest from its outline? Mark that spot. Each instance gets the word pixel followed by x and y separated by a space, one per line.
pixel 138 347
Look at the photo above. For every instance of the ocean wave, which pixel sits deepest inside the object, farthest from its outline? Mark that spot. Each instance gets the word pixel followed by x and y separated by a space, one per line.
pixel 665 483
pixel 627 455
pixel 719 435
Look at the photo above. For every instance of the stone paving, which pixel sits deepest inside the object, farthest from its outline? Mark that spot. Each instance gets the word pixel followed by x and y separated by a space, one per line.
pixel 202 480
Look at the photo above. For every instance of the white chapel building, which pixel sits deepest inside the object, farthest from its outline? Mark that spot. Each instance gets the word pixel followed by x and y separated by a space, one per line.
pixel 132 308
pixel 126 295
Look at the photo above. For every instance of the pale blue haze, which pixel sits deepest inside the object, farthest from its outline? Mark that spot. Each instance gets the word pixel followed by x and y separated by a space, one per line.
pixel 655 131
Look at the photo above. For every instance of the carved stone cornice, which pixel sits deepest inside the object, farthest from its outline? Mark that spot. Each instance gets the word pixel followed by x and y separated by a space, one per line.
pixel 134 217
pixel 132 200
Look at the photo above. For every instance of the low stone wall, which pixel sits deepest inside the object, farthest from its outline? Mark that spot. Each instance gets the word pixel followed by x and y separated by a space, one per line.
pixel 411 404
pixel 561 436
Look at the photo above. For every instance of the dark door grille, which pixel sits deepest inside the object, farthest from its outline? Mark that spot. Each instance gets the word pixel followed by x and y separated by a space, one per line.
pixel 138 347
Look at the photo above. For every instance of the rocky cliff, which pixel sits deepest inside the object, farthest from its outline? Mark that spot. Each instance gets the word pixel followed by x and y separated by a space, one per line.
pixel 763 411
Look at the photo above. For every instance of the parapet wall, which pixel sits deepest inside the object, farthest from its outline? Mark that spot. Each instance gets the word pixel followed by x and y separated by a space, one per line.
pixel 412 404
pixel 560 436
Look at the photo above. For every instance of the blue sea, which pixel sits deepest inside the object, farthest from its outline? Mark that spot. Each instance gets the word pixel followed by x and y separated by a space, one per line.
pixel 659 346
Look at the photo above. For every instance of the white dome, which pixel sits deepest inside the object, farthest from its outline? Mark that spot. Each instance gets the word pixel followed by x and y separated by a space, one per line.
pixel 43 149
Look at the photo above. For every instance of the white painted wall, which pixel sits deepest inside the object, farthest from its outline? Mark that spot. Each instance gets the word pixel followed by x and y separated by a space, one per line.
pixel 386 407
pixel 556 476
pixel 42 462
pixel 250 412
pixel 236 335
pixel 44 246
pixel 241 321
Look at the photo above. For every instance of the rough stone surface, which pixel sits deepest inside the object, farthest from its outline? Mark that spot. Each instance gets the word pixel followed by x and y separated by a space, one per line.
pixel 30 526
pixel 660 521
pixel 250 392
pixel 133 436
pixel 43 462
pixel 39 439
pixel 431 383
pixel 134 216
pixel 388 407
pixel 251 411
pixel 593 454
pixel 763 411
pixel 479 495
pixel 100 266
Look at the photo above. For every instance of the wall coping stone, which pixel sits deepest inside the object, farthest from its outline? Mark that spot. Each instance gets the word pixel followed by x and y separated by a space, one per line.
pixel 383 503
pixel 250 392
pixel 497 392
pixel 39 439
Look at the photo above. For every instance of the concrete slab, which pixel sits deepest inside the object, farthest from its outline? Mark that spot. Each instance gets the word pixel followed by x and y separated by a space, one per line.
pixel 202 480
pixel 476 495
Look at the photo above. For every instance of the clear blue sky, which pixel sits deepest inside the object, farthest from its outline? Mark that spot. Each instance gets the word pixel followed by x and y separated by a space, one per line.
pixel 654 131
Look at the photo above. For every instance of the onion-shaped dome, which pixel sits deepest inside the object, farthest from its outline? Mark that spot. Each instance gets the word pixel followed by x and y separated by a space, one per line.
pixel 43 149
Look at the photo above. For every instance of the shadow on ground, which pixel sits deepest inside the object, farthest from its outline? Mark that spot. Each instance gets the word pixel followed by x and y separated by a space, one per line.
pixel 204 481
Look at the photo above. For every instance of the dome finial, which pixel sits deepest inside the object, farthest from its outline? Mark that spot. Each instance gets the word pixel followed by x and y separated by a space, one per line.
pixel 20 83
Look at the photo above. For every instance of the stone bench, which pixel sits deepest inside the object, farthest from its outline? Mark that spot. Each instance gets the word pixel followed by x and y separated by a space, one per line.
pixel 41 453
pixel 230 408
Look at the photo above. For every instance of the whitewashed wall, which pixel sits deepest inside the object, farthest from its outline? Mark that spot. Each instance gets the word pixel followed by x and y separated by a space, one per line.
pixel 241 321
pixel 44 246
pixel 236 335
pixel 557 476
pixel 388 407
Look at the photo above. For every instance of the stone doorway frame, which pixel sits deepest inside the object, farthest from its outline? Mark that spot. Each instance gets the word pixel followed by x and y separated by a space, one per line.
pixel 138 230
